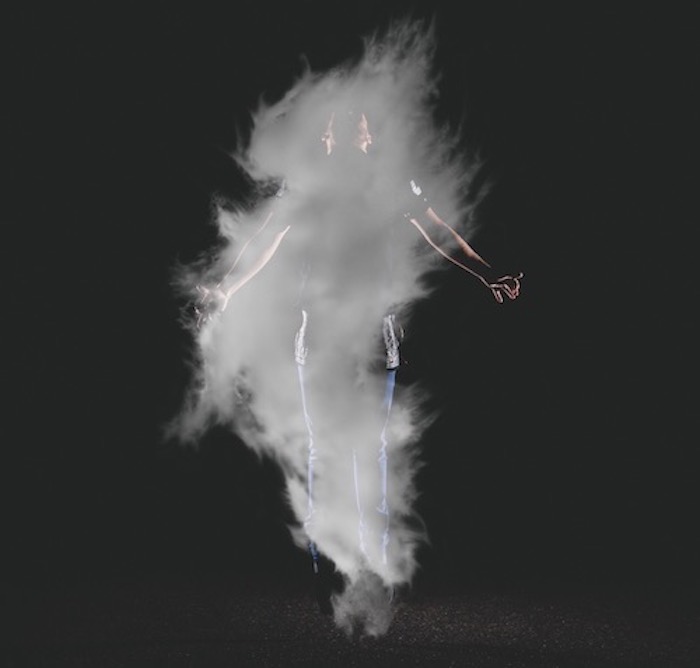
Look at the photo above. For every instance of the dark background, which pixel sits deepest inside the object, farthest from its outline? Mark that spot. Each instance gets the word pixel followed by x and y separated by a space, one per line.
pixel 566 447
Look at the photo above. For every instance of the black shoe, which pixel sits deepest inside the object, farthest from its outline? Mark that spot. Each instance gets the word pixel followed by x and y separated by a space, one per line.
pixel 323 595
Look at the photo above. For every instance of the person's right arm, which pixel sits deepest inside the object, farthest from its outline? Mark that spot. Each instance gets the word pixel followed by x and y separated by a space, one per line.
pixel 214 300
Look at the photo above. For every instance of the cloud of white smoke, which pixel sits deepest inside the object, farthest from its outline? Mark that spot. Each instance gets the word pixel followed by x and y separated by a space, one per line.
pixel 348 257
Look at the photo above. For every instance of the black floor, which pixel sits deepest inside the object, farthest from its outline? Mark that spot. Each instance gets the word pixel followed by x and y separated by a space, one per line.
pixel 219 620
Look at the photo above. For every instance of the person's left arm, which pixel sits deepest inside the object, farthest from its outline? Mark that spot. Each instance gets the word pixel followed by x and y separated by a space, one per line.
pixel 472 262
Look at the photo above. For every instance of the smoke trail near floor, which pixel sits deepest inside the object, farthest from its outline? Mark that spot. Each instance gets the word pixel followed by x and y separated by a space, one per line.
pixel 296 363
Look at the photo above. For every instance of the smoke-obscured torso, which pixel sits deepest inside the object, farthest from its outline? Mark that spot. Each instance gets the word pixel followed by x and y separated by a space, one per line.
pixel 344 225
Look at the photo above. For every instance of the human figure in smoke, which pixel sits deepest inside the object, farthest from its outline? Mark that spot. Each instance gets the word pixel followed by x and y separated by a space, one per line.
pixel 348 135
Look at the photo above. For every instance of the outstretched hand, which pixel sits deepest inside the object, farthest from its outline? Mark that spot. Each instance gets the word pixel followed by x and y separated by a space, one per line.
pixel 210 302
pixel 506 285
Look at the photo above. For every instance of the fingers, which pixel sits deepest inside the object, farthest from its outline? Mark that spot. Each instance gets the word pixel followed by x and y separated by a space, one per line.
pixel 502 286
pixel 514 291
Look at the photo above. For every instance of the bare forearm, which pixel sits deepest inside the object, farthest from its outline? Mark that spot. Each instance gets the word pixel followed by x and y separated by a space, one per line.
pixel 464 246
pixel 259 264
pixel 448 257
pixel 473 263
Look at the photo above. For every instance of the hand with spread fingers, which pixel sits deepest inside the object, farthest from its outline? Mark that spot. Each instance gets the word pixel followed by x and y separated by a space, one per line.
pixel 506 285
pixel 211 302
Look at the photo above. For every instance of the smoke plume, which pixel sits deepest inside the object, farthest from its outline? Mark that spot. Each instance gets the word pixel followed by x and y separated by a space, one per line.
pixel 345 257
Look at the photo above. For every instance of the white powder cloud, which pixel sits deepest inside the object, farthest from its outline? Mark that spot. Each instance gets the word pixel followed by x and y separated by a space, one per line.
pixel 348 257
